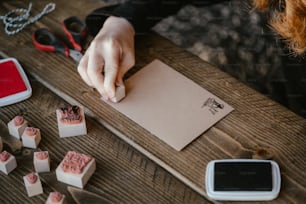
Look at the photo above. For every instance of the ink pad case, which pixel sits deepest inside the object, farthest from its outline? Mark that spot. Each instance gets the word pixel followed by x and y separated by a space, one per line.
pixel 242 180
pixel 14 84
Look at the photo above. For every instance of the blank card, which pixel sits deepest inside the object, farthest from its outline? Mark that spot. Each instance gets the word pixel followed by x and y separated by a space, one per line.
pixel 169 105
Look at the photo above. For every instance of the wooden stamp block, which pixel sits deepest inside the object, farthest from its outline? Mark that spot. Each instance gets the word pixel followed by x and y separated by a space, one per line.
pixel 33 184
pixel 16 126
pixel 7 162
pixel 41 161
pixel 71 121
pixel 31 137
pixel 76 169
pixel 120 94
pixel 56 198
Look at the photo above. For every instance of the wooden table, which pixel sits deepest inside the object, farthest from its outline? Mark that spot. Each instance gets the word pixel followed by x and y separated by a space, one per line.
pixel 133 166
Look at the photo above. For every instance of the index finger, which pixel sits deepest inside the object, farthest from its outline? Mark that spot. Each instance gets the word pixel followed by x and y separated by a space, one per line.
pixel 112 61
pixel 95 68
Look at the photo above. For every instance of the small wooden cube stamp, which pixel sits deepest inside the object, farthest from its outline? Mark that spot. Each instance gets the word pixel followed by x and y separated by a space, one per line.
pixel 31 137
pixel 33 184
pixel 120 94
pixel 56 198
pixel 41 161
pixel 71 121
pixel 16 126
pixel 7 162
pixel 76 169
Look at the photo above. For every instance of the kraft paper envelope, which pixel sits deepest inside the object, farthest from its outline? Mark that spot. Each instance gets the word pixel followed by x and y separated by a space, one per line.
pixel 169 105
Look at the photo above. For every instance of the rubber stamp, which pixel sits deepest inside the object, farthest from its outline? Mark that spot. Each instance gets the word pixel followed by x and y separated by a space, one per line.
pixel 76 169
pixel 16 126
pixel 71 121
pixel 31 137
pixel 7 162
pixel 119 95
pixel 41 161
pixel 56 198
pixel 33 184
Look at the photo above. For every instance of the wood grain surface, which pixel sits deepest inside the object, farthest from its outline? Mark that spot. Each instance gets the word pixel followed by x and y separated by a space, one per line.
pixel 258 127
pixel 123 175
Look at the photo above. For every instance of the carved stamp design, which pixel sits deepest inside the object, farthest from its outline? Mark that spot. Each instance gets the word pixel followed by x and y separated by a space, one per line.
pixel 56 197
pixel 71 115
pixel 4 156
pixel 18 120
pixel 42 155
pixel 31 178
pixel 30 131
pixel 75 162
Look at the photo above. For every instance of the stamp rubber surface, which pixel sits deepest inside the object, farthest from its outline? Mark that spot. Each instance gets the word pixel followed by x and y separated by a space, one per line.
pixel 14 85
pixel 169 105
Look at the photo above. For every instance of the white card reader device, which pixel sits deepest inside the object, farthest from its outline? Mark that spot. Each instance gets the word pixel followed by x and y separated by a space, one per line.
pixel 242 180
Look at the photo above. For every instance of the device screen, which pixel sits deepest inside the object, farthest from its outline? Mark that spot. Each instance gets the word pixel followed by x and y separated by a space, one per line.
pixel 243 176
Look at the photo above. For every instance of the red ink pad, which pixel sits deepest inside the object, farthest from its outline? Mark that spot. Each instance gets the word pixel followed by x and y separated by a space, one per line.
pixel 14 84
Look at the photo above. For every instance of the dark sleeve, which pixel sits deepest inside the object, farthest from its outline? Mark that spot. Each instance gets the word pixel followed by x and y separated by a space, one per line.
pixel 142 14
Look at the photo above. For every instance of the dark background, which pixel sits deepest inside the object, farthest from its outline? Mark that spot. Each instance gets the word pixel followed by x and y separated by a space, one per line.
pixel 237 39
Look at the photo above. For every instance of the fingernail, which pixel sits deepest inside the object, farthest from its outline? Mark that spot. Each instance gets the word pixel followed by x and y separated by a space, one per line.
pixel 114 100
pixel 110 93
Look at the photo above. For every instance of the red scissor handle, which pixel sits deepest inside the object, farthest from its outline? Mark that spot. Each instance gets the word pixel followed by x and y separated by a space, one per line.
pixel 76 31
pixel 45 40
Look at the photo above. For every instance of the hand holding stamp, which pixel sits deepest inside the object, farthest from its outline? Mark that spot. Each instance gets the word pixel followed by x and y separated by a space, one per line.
pixel 112 52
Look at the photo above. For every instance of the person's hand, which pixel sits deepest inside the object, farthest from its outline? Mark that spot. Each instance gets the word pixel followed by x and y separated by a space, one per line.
pixel 112 52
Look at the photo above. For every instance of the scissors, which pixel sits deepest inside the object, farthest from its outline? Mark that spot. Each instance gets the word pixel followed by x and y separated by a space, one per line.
pixel 74 28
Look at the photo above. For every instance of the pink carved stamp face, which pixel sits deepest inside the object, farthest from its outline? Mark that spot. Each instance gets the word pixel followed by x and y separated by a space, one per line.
pixel 30 131
pixel 18 120
pixel 75 162
pixel 56 197
pixel 71 115
pixel 42 155
pixel 4 156
pixel 31 178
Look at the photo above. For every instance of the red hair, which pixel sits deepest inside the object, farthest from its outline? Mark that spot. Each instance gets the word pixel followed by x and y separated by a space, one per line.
pixel 288 19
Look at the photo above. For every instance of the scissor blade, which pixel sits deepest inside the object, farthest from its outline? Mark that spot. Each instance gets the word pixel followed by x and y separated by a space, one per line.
pixel 75 55
pixel 83 197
